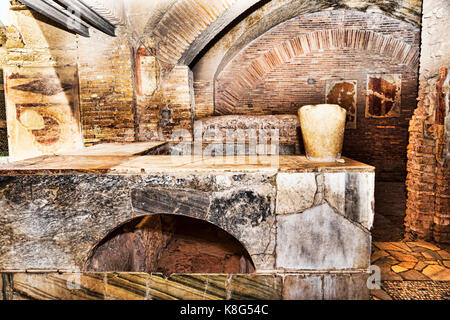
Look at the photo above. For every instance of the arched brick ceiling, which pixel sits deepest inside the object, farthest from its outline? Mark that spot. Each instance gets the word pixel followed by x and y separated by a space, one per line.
pixel 188 25
pixel 405 10
pixel 186 21
pixel 362 40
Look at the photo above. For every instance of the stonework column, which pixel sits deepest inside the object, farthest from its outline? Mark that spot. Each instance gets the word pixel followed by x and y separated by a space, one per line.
pixel 428 203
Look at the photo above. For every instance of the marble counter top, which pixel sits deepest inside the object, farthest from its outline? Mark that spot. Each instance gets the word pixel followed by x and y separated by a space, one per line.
pixel 126 164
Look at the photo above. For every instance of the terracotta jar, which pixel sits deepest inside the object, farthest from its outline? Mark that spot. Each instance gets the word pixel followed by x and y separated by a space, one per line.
pixel 323 128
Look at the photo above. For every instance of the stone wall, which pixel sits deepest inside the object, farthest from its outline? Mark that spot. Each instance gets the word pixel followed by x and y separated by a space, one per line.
pixel 428 203
pixel 170 109
pixel 107 98
pixel 112 107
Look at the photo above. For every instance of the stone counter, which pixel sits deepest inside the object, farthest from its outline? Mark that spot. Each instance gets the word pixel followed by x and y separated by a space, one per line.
pixel 151 164
pixel 292 217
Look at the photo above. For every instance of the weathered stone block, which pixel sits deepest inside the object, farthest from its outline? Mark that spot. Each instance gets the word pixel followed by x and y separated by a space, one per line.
pixel 6 292
pixel 248 214
pixel 334 190
pixel 177 287
pixel 321 239
pixel 346 286
pixel 303 287
pixel 359 197
pixel 127 286
pixel 67 286
pixel 188 202
pixel 216 287
pixel 256 287
pixel 295 192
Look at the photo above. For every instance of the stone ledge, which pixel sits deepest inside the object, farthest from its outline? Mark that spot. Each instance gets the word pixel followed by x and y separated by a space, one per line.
pixel 154 286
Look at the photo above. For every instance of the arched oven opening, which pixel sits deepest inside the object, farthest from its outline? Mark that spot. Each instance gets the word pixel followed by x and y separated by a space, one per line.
pixel 169 244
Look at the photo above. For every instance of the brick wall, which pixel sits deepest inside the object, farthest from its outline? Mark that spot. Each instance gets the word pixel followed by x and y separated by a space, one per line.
pixel 106 88
pixel 171 108
pixel 428 181
pixel 270 76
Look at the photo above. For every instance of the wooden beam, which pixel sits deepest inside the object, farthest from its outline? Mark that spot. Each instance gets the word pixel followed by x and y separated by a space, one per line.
pixel 56 13
pixel 90 16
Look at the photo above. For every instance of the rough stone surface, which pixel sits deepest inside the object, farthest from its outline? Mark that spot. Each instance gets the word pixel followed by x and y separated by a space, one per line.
pixel 250 287
pixel 154 286
pixel 303 287
pixel 334 185
pixel 321 239
pixel 414 290
pixel 411 261
pixel 359 198
pixel 56 208
pixel 295 192
pixel 428 166
pixel 101 203
pixel 53 286
pixel 126 286
pixel 249 215
pixel 346 287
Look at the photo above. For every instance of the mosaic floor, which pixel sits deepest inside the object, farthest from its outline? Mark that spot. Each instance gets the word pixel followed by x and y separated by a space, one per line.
pixel 412 271
pixel 409 270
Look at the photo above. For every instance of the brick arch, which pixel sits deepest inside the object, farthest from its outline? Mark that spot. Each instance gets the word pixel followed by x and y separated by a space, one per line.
pixel 187 26
pixel 345 38
pixel 186 20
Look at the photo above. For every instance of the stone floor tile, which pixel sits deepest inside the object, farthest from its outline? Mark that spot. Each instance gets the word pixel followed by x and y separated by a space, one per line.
pixel 413 275
pixel 402 246
pixel 420 266
pixel 388 274
pixel 408 265
pixel 425 244
pixel 398 269
pixel 377 254
pixel 437 273
pixel 388 246
pixel 403 256
pixel 431 255
pixel 444 254
pixel 380 294
pixel 386 262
